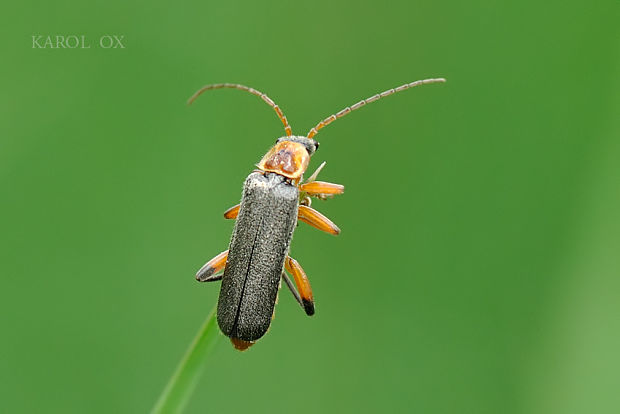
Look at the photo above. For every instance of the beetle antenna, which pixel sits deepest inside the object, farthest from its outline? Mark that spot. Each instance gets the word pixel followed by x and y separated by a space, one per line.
pixel 253 91
pixel 363 102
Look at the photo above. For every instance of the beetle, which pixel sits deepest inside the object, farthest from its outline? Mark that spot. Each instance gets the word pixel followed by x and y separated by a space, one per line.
pixel 274 198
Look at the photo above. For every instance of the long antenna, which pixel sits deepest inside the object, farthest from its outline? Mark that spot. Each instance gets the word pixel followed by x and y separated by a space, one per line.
pixel 253 91
pixel 363 102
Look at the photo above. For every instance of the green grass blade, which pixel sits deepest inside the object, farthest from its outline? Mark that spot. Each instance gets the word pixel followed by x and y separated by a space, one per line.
pixel 181 385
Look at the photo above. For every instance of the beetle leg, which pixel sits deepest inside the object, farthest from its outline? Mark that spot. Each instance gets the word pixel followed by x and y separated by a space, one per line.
pixel 304 294
pixel 208 272
pixel 316 173
pixel 291 287
pixel 316 219
pixel 232 212
pixel 321 189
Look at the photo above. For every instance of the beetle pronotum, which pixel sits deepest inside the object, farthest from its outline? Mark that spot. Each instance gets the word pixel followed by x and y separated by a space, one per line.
pixel 274 198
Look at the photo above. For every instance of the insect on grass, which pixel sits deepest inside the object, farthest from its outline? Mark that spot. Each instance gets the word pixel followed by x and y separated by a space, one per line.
pixel 275 196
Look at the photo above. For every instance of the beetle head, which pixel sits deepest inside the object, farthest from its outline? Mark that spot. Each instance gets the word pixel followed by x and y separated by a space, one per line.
pixel 289 157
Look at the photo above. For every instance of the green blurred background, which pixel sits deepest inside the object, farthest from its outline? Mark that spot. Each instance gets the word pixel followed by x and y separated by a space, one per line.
pixel 477 269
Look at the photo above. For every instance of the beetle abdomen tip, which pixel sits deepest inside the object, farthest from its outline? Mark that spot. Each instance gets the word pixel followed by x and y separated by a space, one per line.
pixel 240 344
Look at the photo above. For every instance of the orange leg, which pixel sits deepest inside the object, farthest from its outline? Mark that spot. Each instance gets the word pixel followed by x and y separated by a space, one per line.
pixel 208 272
pixel 316 219
pixel 303 285
pixel 232 212
pixel 321 188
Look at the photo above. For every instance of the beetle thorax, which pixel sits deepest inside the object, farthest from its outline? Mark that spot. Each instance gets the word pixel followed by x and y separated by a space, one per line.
pixel 286 158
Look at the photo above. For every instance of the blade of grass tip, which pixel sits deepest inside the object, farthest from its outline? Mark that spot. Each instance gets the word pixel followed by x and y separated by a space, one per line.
pixel 181 385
